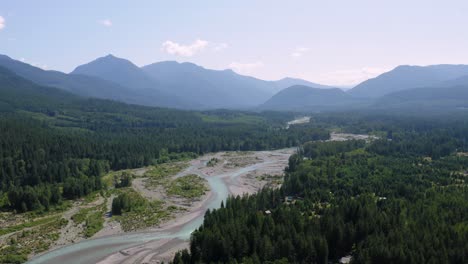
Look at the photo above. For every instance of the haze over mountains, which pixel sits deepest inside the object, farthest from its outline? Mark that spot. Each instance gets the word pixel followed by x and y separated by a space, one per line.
pixel 438 87
pixel 189 86
pixel 305 98
pixel 211 88
pixel 407 77
pixel 88 86
pixel 166 84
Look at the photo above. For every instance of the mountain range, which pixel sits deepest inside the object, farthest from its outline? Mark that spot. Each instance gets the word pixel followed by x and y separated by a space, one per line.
pixel 305 98
pixel 436 87
pixel 165 84
pixel 89 86
pixel 211 88
pixel 189 86
pixel 407 77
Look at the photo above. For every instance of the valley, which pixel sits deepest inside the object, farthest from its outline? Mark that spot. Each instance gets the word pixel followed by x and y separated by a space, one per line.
pixel 235 173
pixel 225 174
pixel 228 132
pixel 434 88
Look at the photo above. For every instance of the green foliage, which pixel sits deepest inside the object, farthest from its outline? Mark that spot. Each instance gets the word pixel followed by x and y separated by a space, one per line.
pixel 190 186
pixel 92 218
pixel 231 117
pixel 80 217
pixel 14 258
pixel 160 172
pixel 314 150
pixel 56 145
pixel 124 203
pixel 34 240
pixel 165 157
pixel 212 162
pixel 94 223
pixel 384 202
pixel 135 212
pixel 28 224
pixel 123 180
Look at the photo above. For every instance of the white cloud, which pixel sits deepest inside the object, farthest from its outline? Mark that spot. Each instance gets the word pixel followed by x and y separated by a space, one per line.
pixel 106 22
pixel 245 68
pixel 351 76
pixel 298 52
pixel 175 48
pixel 2 22
pixel 220 46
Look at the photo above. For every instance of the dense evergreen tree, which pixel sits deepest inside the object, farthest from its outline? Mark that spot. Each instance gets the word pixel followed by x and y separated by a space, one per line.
pixel 393 200
pixel 52 140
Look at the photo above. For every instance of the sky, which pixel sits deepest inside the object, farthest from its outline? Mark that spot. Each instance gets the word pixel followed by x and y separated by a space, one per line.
pixel 330 42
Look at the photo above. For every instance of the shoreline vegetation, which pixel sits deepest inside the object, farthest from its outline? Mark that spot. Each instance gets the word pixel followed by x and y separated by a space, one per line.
pixel 394 197
pixel 57 150
pixel 119 162
pixel 175 191
pixel 158 194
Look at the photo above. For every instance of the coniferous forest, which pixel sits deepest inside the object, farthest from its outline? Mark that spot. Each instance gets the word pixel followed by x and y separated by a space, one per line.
pixel 225 132
pixel 399 199
pixel 55 145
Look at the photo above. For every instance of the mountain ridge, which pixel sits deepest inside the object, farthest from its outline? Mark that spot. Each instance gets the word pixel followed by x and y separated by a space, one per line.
pixel 408 77
pixel 85 85
pixel 167 84
pixel 304 98
pixel 117 70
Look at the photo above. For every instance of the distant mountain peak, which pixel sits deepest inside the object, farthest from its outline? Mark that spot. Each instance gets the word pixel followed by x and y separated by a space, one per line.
pixel 290 81
pixel 109 58
pixel 5 57
pixel 304 98
pixel 407 77
pixel 118 70
pixel 173 65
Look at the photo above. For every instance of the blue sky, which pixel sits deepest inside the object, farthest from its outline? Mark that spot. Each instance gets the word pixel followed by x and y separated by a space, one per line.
pixel 331 42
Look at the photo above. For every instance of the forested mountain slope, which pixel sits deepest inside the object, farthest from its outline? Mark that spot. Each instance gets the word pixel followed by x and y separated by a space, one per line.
pixel 304 98
pixel 89 86
pixel 56 145
pixel 288 82
pixel 211 88
pixel 407 77
pixel 426 99
pixel 119 71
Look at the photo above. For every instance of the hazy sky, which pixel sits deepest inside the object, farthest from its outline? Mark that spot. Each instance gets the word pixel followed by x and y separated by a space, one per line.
pixel 330 42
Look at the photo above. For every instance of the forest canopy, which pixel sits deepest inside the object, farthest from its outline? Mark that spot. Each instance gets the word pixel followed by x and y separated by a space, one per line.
pixel 400 199
pixel 56 146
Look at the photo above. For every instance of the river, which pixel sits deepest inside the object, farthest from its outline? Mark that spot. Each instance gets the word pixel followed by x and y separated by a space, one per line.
pixel 95 250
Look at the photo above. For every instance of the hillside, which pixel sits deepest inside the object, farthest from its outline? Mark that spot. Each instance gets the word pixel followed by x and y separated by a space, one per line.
pixel 407 77
pixel 17 93
pixel 304 98
pixel 88 86
pixel 460 81
pixel 288 82
pixel 211 88
pixel 119 71
pixel 217 88
pixel 427 98
pixel 165 84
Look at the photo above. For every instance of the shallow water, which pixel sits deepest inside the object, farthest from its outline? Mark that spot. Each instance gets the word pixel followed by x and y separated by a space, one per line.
pixel 93 250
